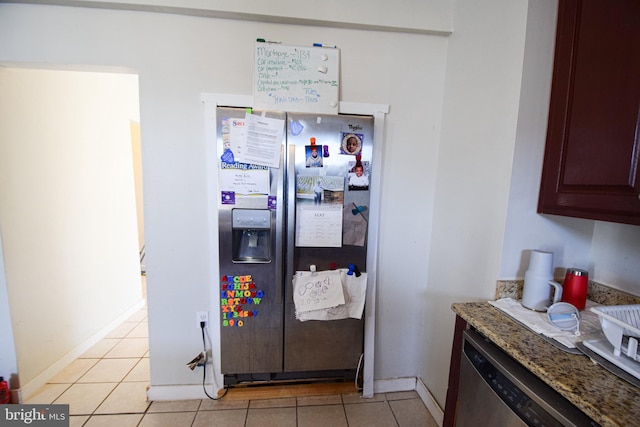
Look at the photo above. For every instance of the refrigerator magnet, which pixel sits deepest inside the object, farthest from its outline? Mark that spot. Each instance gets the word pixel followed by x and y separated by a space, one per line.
pixel 228 198
pixel 272 202
pixel 228 157
pixel 351 143
pixel 295 128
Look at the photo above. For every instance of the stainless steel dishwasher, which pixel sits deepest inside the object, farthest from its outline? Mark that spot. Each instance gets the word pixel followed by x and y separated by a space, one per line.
pixel 495 390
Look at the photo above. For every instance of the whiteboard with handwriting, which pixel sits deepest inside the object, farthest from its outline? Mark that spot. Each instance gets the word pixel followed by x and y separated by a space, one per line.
pixel 296 78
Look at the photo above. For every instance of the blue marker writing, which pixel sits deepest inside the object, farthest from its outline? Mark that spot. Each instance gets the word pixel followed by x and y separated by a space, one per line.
pixel 324 45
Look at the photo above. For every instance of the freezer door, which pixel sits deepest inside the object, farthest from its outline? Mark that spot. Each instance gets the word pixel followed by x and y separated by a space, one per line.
pixel 335 344
pixel 251 263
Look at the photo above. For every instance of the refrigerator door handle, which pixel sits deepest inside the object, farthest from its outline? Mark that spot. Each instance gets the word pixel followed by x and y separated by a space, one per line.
pixel 280 224
pixel 291 212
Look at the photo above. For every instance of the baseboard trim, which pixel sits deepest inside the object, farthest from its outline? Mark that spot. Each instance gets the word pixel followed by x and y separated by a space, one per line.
pixel 28 390
pixel 436 411
pixel 395 384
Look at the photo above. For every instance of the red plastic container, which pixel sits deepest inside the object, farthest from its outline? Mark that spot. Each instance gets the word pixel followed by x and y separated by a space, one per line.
pixel 574 288
pixel 5 394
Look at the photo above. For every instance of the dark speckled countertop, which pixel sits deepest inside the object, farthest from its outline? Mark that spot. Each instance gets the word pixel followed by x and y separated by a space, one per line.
pixel 601 395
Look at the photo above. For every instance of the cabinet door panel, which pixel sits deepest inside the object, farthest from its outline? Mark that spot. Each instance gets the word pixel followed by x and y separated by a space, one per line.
pixel 593 139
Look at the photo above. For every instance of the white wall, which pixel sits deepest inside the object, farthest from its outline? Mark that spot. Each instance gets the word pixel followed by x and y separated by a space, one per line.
pixel 420 16
pixel 615 256
pixel 611 252
pixel 67 209
pixel 180 57
pixel 483 75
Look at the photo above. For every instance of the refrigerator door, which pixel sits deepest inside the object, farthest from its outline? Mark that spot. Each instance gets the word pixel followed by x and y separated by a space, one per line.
pixel 324 196
pixel 250 257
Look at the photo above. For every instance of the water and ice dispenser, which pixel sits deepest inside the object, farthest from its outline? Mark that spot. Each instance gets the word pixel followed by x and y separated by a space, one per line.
pixel 251 236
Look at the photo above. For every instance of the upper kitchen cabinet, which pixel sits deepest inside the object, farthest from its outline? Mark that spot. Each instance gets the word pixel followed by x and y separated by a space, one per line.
pixel 591 162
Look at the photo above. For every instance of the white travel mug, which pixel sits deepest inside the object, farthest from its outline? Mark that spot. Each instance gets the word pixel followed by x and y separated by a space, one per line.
pixel 538 282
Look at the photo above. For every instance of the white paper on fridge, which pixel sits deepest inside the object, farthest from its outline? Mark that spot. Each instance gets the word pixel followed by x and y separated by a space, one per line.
pixel 237 136
pixel 263 141
pixel 355 291
pixel 244 181
pixel 354 227
pixel 317 290
pixel 319 226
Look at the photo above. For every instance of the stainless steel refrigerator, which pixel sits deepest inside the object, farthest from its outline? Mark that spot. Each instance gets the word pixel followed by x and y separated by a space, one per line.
pixel 306 210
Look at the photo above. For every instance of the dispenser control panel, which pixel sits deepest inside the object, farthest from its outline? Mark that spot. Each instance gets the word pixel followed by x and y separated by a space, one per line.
pixel 256 219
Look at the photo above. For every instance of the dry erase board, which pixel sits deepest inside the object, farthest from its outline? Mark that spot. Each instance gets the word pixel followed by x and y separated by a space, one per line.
pixel 296 78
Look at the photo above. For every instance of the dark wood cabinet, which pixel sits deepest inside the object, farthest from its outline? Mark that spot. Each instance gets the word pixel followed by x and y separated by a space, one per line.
pixel 451 403
pixel 592 155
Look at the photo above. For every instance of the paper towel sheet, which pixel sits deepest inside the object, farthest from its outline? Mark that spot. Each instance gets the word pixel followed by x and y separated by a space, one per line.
pixel 539 322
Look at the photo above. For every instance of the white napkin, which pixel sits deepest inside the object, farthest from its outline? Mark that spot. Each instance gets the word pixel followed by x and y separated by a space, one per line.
pixel 539 322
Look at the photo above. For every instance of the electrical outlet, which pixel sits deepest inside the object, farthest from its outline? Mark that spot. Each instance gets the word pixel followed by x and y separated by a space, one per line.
pixel 203 316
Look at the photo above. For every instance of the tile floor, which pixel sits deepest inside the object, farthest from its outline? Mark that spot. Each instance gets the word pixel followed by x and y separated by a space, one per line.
pixel 107 385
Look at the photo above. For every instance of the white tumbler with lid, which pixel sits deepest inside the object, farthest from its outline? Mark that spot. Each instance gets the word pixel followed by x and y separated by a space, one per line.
pixel 538 282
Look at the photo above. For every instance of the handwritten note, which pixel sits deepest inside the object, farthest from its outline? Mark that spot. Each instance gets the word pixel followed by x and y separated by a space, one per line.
pixel 315 291
pixel 294 78
pixel 355 292
pixel 244 181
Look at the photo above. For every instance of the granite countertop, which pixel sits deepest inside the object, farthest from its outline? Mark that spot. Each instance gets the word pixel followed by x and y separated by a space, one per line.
pixel 605 398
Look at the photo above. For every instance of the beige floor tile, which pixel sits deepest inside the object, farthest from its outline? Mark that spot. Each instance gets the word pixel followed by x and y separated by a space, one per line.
pixel 223 418
pixel 140 372
pixel 109 370
pixel 139 316
pixel 273 403
pixel 129 347
pixel 271 417
pixel 140 331
pixel 216 405
pixel 334 399
pixel 124 357
pixel 123 330
pixel 47 394
pixel 73 371
pixel 400 395
pixel 78 420
pixel 126 398
pixel 100 348
pixel 374 414
pixel 357 398
pixel 168 419
pixel 83 399
pixel 322 416
pixel 412 412
pixel 120 420
pixel 174 406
